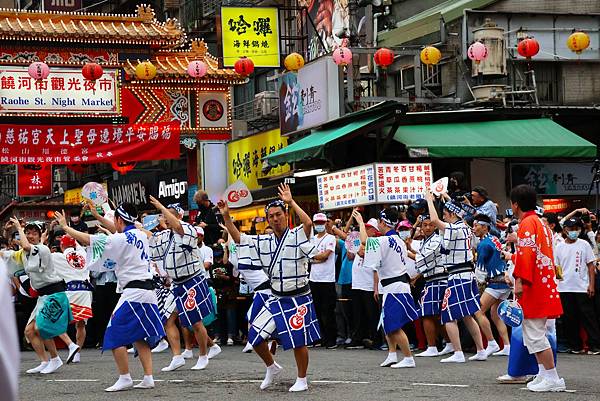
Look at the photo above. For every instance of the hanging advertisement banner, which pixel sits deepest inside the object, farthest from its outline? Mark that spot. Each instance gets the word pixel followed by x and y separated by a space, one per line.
pixel 553 178
pixel 252 32
pixel 373 183
pixel 34 180
pixel 67 144
pixel 65 91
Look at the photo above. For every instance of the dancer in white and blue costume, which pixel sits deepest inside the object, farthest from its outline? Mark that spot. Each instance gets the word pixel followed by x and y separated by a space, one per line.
pixel 288 314
pixel 429 262
pixel 387 255
pixel 176 249
pixel 136 315
pixel 461 298
pixel 490 269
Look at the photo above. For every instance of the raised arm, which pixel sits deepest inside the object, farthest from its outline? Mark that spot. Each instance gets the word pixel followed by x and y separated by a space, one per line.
pixel 174 222
pixel 106 222
pixel 286 195
pixel 232 230
pixel 361 225
pixel 433 212
pixel 83 238
pixel 22 238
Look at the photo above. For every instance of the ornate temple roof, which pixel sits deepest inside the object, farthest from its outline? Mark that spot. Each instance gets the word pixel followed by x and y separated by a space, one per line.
pixel 140 28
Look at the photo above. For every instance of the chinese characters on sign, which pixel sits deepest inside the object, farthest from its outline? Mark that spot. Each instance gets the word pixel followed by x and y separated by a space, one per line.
pixel 554 178
pixel 75 144
pixel 34 180
pixel 64 91
pixel 347 188
pixel 251 32
pixel 373 183
pixel 244 158
pixel 402 182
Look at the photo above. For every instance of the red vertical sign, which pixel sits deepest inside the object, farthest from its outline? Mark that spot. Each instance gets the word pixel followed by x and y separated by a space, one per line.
pixel 34 179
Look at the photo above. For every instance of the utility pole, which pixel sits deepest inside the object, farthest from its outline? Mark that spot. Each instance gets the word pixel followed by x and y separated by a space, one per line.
pixel 354 84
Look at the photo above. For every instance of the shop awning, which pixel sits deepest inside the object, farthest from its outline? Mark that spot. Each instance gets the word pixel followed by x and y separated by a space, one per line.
pixel 511 138
pixel 313 145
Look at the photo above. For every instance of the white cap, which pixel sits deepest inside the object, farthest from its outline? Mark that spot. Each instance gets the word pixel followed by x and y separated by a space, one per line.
pixel 320 217
pixel 199 230
pixel 372 223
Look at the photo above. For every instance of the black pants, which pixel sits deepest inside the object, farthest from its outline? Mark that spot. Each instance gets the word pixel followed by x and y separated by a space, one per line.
pixel 105 300
pixel 366 316
pixel 578 308
pixel 325 298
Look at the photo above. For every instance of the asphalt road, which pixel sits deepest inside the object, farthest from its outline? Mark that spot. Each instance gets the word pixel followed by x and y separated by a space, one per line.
pixel 333 375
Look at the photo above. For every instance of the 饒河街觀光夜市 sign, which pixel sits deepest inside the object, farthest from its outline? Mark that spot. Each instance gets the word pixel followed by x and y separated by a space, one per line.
pixel 373 183
pixel 554 178
pixel 86 144
pixel 252 32
pixel 65 91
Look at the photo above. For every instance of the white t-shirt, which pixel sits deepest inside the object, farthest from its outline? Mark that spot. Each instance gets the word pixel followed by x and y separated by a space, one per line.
pixel 362 277
pixel 574 258
pixel 324 272
pixel 411 267
pixel 387 255
pixel 70 265
pixel 206 256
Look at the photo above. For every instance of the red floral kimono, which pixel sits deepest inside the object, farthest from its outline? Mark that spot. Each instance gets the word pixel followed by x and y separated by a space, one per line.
pixel 534 265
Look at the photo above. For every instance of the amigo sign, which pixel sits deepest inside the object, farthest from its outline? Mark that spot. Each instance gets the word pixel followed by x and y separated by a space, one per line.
pixel 65 91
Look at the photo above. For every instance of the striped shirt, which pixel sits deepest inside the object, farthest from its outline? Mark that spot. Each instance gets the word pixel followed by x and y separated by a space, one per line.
pixel 430 260
pixel 177 254
pixel 457 243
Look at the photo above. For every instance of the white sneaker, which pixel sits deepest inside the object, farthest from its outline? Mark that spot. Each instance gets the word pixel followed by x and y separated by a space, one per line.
pixel 430 351
pixel 508 379
pixel 503 352
pixel 548 385
pixel 448 349
pixel 272 371
pixel 129 351
pixel 229 341
pixel 300 385
pixel 391 359
pixel 76 358
pixel 537 379
pixel 479 356
pixel 201 364
pixel 162 346
pixel 73 350
pixel 247 348
pixel 405 363
pixel 492 349
pixel 175 364
pixel 187 354
pixel 214 351
pixel 38 368
pixel 52 366
pixel 455 358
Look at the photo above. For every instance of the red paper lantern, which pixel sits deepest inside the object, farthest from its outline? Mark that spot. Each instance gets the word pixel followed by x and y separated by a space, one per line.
pixel 123 167
pixel 244 66
pixel 528 48
pixel 384 57
pixel 92 71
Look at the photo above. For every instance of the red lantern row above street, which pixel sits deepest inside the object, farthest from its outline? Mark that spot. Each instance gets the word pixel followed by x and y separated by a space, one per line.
pixel 244 66
pixel 384 57
pixel 528 48
pixel 92 71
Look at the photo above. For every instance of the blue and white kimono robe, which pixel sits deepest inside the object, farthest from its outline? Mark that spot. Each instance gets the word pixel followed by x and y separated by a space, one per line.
pixel 430 263
pixel 136 316
pixel 288 314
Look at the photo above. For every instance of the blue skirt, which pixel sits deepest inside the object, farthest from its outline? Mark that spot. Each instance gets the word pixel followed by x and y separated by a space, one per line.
pixel 258 302
pixel 133 321
pixel 432 297
pixel 398 310
pixel 193 300
pixel 292 320
pixel 461 298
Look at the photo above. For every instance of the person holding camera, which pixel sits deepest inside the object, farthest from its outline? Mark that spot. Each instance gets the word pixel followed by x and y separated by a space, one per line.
pixel 207 218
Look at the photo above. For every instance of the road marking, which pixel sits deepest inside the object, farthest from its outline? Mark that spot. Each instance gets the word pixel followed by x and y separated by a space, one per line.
pixel 337 382
pixel 237 381
pixel 72 380
pixel 441 385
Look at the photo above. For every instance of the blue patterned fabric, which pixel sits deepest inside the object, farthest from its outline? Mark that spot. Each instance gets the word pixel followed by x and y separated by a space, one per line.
pixel 398 310
pixel 520 361
pixel 133 321
pixel 193 300
pixel 258 302
pixel 292 320
pixel 461 297
pixel 432 297
pixel 54 316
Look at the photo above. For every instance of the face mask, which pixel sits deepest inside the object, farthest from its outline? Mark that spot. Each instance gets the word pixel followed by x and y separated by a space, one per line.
pixel 573 235
pixel 320 228
pixel 404 235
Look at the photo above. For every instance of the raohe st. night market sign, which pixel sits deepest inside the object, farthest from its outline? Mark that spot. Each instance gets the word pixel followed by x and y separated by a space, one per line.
pixel 74 144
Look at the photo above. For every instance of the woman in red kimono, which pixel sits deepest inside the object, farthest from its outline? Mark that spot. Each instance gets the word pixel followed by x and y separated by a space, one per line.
pixel 535 286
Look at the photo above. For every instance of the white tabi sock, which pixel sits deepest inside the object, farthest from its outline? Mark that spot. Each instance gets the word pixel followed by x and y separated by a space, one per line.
pixel 38 368
pixel 300 385
pixel 202 363
pixel 272 371
pixel 123 383
pixel 148 382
